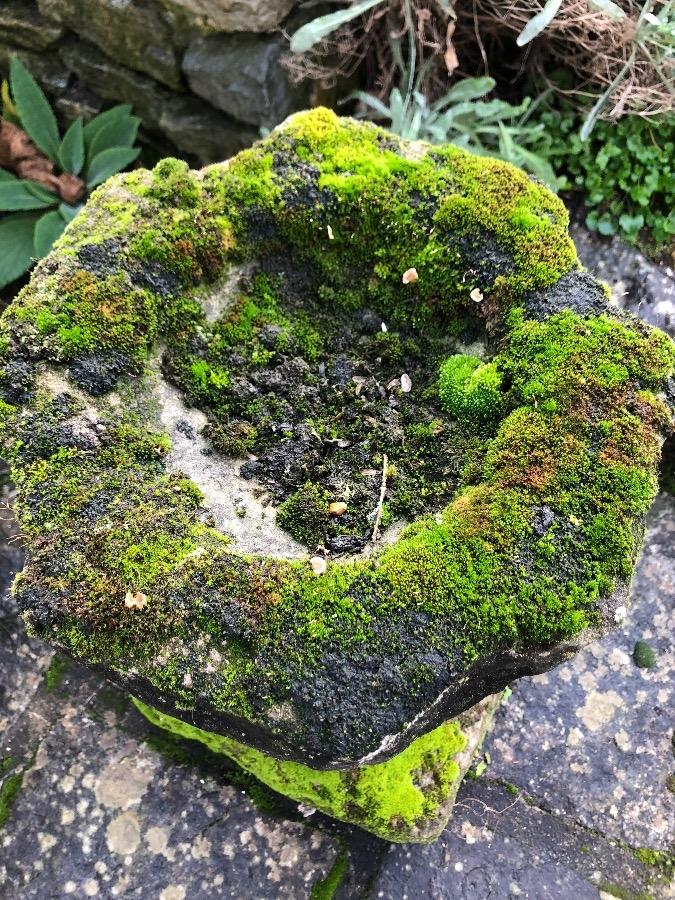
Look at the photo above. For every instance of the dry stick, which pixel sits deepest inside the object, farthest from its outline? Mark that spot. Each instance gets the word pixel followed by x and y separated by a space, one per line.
pixel 380 502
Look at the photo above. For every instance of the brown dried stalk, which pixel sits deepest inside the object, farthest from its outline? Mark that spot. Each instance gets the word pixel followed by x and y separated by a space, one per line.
pixel 19 154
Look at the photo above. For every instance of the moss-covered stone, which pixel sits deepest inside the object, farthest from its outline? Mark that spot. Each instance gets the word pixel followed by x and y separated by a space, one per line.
pixel 408 797
pixel 524 471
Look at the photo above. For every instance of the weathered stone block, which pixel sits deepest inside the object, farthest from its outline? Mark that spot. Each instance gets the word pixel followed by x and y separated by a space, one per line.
pixel 408 798
pixel 21 24
pixel 242 75
pixel 232 15
pixel 318 448
pixel 137 35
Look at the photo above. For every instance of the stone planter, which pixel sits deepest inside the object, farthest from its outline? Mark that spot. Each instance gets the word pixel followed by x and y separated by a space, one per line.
pixel 317 449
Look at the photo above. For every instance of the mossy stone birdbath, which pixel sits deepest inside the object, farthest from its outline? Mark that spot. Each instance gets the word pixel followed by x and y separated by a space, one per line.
pixel 319 448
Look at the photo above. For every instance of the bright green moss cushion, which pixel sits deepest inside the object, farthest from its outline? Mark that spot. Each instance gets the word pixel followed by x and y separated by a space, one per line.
pixel 527 529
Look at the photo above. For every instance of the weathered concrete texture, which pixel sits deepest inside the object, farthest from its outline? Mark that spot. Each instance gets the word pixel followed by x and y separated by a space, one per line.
pixel 646 289
pixel 498 846
pixel 580 761
pixel 593 739
pixel 102 813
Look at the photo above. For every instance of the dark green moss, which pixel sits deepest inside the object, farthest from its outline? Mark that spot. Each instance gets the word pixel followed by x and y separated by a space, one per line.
pixel 327 887
pixel 56 671
pixel 305 514
pixel 9 791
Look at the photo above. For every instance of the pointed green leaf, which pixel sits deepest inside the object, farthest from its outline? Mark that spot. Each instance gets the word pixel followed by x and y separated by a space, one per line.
pixel 117 133
pixel 107 163
pixel 47 229
pixel 94 125
pixel 35 113
pixel 537 23
pixel 7 176
pixel 42 193
pixel 316 30
pixel 18 195
pixel 69 212
pixel 71 151
pixel 16 241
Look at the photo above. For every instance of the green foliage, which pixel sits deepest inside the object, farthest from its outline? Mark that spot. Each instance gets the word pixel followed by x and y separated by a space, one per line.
pixel 310 34
pixel 643 655
pixel 461 117
pixel 33 109
pixel 95 151
pixel 625 170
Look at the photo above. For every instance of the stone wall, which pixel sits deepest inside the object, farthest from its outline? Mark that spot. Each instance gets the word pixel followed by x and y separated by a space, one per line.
pixel 204 75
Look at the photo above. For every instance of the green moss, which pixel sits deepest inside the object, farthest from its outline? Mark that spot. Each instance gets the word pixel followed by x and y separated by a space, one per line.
pixel 9 791
pixel 385 798
pixel 643 655
pixel 327 887
pixel 305 514
pixel 544 463
pixel 56 671
pixel 470 390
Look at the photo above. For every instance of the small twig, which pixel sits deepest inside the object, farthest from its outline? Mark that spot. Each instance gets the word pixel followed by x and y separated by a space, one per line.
pixel 380 503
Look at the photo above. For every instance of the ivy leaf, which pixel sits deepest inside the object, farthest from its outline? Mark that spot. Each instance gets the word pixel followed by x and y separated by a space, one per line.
pixel 537 23
pixel 316 30
pixel 15 195
pixel 117 133
pixel 71 151
pixel 16 240
pixel 94 125
pixel 35 113
pixel 108 162
pixel 47 229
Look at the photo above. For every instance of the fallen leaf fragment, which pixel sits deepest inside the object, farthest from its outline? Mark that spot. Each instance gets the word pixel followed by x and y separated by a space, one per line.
pixel 338 508
pixel 406 383
pixel 319 565
pixel 135 601
pixel 330 232
pixel 410 276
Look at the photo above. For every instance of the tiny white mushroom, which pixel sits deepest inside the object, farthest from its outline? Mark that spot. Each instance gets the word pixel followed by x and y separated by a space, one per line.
pixel 476 295
pixel 410 276
pixel 330 232
pixel 384 328
pixel 319 565
pixel 406 383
